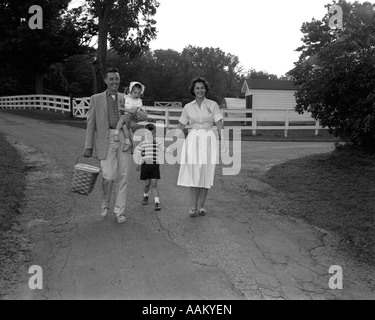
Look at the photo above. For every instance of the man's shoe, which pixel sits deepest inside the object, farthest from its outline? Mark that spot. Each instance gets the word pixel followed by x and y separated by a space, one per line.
pixel 103 212
pixel 157 206
pixel 145 200
pixel 121 218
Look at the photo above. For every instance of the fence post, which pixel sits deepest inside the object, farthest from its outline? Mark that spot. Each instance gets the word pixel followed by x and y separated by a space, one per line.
pixel 254 122
pixel 71 105
pixel 317 125
pixel 286 123
pixel 167 117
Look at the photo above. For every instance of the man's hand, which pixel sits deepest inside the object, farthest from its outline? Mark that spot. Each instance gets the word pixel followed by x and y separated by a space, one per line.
pixel 138 168
pixel 87 153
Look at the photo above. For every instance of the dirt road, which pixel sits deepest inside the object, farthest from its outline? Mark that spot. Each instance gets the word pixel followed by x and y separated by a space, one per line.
pixel 241 250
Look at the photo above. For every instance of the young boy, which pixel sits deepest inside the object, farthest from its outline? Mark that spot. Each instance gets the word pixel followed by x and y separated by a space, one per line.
pixel 146 155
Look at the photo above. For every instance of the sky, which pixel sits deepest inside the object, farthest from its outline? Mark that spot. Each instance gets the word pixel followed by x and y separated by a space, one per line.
pixel 262 34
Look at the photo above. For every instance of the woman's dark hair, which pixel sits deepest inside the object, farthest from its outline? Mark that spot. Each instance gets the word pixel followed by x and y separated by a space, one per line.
pixel 195 81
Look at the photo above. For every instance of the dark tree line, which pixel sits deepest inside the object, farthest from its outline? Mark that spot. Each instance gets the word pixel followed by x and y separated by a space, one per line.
pixel 62 59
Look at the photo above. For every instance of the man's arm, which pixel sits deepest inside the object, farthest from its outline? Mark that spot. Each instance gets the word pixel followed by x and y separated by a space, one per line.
pixel 90 129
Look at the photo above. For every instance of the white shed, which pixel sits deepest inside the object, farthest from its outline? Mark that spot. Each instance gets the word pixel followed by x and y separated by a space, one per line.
pixel 234 103
pixel 269 94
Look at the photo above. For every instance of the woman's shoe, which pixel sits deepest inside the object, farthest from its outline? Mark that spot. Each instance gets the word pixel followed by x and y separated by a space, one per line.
pixel 193 213
pixel 202 211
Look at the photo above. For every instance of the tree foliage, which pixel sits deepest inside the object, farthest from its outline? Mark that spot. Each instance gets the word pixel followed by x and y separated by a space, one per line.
pixel 126 24
pixel 33 51
pixel 335 74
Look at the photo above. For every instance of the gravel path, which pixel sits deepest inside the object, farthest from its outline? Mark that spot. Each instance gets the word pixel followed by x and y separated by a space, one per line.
pixel 242 249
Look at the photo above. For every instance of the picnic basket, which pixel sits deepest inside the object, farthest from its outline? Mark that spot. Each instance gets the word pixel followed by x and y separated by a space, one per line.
pixel 84 177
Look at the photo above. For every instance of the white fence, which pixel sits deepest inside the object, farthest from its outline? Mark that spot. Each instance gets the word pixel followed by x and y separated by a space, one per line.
pixel 48 102
pixel 81 107
pixel 168 113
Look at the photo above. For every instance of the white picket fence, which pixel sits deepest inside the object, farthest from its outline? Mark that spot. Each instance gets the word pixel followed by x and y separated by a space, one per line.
pixel 43 102
pixel 168 113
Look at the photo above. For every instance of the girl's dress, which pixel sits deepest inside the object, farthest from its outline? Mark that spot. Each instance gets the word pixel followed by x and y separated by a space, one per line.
pixel 199 150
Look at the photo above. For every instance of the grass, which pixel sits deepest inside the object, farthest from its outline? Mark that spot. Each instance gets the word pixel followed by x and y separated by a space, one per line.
pixel 11 183
pixel 335 192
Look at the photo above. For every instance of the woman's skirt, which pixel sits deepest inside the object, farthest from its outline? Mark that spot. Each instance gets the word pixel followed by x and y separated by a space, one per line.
pixel 198 159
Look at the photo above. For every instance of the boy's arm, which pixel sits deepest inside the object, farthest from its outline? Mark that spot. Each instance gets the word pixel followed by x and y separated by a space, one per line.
pixel 138 154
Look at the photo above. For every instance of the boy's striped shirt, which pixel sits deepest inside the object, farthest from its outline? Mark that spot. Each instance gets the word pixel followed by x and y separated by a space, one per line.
pixel 148 152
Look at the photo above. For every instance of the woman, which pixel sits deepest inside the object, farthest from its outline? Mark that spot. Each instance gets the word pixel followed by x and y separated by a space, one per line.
pixel 198 156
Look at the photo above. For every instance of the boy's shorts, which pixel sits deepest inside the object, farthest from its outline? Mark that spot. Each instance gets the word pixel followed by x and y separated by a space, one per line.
pixel 150 171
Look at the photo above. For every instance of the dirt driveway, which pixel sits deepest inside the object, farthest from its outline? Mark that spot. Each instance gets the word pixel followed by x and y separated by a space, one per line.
pixel 241 250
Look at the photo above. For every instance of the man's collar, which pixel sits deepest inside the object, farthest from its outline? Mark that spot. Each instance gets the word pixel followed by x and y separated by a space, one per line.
pixel 109 94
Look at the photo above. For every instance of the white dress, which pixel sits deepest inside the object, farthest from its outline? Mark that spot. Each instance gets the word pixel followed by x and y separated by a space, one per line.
pixel 199 150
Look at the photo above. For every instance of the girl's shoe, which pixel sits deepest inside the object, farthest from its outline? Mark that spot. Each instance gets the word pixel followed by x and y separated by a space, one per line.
pixel 157 206
pixel 202 211
pixel 192 213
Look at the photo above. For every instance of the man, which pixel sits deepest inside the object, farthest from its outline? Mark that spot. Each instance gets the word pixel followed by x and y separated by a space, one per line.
pixel 101 126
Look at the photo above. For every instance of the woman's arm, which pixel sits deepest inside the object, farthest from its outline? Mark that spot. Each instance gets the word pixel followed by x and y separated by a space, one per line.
pixel 220 127
pixel 179 130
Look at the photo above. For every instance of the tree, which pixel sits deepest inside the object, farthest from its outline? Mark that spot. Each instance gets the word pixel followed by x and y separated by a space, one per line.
pixel 335 74
pixel 33 51
pixel 215 65
pixel 126 24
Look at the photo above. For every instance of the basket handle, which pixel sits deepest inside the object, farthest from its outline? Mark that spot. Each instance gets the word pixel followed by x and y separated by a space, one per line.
pixel 81 155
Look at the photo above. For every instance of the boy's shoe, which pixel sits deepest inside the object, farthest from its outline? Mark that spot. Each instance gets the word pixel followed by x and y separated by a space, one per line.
pixel 127 147
pixel 145 200
pixel 157 206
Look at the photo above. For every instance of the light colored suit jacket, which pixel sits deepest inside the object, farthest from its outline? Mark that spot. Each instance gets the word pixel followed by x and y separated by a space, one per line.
pixel 97 124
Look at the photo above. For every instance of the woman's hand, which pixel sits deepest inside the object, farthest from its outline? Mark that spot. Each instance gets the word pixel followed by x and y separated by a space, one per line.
pixel 224 147
pixel 176 132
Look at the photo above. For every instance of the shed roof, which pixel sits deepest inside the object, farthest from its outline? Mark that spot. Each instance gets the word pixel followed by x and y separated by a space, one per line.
pixel 267 84
pixel 233 103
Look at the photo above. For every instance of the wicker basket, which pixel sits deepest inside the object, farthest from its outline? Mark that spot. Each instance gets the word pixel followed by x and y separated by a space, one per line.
pixel 84 177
